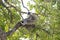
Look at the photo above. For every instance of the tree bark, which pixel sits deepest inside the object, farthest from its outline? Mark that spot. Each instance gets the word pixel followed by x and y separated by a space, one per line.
pixel 4 35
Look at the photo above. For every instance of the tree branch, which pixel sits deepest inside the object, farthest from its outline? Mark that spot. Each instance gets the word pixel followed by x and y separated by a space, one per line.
pixel 23 5
pixel 19 24
pixel 2 35
pixel 12 5
pixel 9 11
pixel 14 29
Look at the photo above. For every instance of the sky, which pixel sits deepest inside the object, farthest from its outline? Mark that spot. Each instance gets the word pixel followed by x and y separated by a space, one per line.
pixel 25 4
pixel 25 10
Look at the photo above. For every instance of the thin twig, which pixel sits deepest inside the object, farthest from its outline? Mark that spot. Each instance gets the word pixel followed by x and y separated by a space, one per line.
pixel 24 6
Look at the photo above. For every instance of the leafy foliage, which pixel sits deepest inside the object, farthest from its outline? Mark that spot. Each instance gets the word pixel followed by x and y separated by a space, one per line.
pixel 47 25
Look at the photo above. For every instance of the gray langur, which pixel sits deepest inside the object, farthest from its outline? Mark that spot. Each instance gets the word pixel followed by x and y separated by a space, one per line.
pixel 30 20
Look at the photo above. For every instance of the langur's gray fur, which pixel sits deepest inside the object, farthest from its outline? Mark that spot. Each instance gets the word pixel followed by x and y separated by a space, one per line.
pixel 30 20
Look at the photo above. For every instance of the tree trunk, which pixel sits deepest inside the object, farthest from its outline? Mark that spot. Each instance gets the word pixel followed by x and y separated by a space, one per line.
pixel 2 35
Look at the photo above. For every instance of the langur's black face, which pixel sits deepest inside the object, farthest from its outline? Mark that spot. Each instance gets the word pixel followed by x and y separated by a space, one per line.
pixel 28 13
